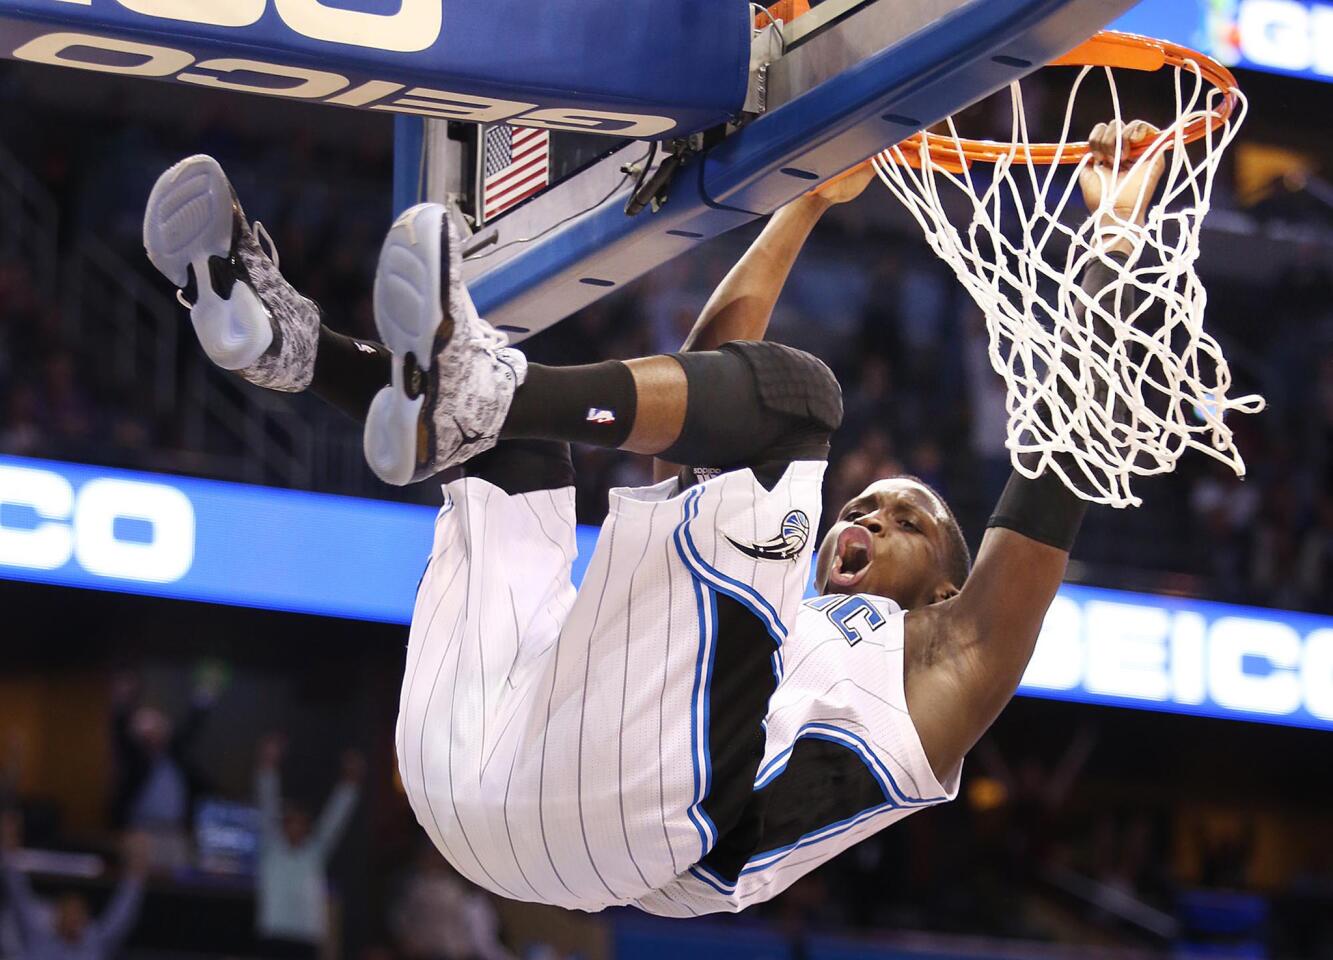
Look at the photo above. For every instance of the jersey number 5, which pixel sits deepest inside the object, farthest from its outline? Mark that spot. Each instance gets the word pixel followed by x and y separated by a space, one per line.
pixel 841 611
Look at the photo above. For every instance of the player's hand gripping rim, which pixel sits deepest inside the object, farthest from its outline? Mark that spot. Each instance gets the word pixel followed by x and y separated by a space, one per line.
pixel 1120 178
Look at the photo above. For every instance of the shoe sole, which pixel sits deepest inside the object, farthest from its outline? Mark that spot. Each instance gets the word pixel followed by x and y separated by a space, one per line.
pixel 413 323
pixel 188 222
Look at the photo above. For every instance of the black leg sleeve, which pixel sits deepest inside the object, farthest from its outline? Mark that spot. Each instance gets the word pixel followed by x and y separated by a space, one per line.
pixel 593 404
pixel 747 403
pixel 349 372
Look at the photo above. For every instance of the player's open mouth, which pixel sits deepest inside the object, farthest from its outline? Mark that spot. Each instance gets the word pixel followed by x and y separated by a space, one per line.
pixel 852 562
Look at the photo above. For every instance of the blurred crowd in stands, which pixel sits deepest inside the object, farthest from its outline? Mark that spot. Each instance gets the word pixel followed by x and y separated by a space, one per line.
pixel 172 825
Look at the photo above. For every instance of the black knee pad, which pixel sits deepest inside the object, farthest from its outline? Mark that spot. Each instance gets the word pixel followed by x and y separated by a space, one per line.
pixel 753 402
pixel 792 382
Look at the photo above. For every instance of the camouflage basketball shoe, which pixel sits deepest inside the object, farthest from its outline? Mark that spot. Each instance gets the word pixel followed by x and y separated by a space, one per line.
pixel 453 376
pixel 248 318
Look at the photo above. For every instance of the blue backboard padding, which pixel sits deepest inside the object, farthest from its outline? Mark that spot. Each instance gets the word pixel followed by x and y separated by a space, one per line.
pixel 362 559
pixel 409 162
pixel 687 60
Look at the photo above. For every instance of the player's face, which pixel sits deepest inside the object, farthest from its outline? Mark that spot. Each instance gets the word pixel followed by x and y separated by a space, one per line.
pixel 890 542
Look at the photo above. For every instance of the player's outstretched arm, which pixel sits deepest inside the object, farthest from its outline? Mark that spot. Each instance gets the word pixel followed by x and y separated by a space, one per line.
pixel 743 302
pixel 966 656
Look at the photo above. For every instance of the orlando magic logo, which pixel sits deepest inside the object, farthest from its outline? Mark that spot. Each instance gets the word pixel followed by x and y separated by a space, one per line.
pixel 786 546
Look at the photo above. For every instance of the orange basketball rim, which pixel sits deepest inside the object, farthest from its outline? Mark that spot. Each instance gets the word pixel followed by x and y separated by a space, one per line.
pixel 1110 48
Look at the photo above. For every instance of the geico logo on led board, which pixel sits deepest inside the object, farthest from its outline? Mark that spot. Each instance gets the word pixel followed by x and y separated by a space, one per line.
pixel 414 27
pixel 88 51
pixel 82 526
pixel 1164 656
pixel 1286 35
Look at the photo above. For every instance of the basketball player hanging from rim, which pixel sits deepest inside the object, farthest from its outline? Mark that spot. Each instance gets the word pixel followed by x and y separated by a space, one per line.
pixel 685 733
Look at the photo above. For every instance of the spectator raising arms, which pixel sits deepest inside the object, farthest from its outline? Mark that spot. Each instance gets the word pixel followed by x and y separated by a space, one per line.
pixel 69 932
pixel 293 856
pixel 157 784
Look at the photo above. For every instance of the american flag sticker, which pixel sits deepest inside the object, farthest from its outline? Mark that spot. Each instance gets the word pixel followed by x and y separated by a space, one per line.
pixel 516 163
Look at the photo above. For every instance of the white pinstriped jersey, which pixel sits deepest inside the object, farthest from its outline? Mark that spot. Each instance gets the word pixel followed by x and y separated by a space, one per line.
pixel 839 714
pixel 619 745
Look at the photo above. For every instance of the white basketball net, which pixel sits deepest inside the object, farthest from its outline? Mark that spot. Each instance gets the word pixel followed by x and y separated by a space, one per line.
pixel 1095 395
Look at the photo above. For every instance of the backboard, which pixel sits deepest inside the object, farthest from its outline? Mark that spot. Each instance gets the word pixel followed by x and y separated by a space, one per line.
pixel 826 90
